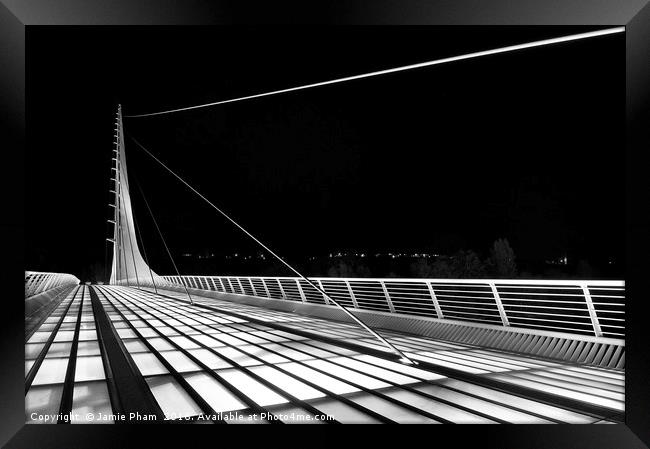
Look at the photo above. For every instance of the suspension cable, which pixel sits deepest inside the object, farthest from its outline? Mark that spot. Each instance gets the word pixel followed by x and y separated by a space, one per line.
pixel 163 239
pixel 128 234
pixel 477 54
pixel 403 357
pixel 144 251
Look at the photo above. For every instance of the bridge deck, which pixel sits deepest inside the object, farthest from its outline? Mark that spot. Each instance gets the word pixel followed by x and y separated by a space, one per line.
pixel 220 356
pixel 597 386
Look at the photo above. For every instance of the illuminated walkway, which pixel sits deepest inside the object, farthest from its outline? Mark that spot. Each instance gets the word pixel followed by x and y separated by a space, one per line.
pixel 219 361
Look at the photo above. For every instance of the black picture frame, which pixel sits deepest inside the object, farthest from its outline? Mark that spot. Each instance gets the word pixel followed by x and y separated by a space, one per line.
pixel 17 15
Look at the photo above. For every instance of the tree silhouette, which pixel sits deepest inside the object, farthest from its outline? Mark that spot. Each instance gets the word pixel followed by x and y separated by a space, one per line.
pixel 464 264
pixel 348 268
pixel 584 270
pixel 467 265
pixel 421 268
pixel 502 259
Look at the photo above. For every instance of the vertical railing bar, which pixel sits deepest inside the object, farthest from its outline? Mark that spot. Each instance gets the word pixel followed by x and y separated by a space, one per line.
pixel 230 284
pixel 38 286
pixel 243 291
pixel 266 288
pixel 302 293
pixel 49 282
pixel 250 282
pixel 320 284
pixel 32 286
pixel 44 285
pixel 592 311
pixel 497 299
pixel 434 298
pixel 28 282
pixel 352 297
pixel 282 292
pixel 41 282
pixel 388 300
pixel 221 288
pixel 41 286
pixel 253 286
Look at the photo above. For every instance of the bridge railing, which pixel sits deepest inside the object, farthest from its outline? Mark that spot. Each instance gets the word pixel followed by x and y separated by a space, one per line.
pixel 577 306
pixel 37 282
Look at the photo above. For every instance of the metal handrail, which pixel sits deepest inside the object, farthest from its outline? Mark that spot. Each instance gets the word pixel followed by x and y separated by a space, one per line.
pixel 587 307
pixel 37 282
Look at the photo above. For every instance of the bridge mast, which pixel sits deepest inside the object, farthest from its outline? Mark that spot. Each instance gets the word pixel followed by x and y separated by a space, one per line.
pixel 126 254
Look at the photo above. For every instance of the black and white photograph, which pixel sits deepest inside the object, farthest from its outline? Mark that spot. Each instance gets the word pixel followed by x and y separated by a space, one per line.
pixel 312 224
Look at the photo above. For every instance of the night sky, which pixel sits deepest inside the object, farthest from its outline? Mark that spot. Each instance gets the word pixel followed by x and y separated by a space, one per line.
pixel 526 145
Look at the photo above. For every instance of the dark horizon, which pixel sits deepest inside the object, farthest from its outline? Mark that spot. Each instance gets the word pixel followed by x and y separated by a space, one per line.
pixel 525 146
